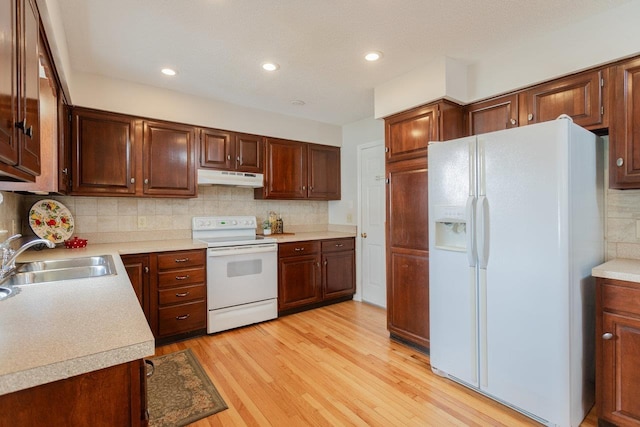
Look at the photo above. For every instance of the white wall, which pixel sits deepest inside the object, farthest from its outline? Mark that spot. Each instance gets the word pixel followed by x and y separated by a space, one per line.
pixel 354 134
pixel 104 93
pixel 596 40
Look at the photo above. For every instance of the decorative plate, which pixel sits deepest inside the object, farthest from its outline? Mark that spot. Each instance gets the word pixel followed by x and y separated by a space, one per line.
pixel 51 220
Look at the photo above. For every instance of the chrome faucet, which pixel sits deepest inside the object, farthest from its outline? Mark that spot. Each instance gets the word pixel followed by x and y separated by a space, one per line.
pixel 10 255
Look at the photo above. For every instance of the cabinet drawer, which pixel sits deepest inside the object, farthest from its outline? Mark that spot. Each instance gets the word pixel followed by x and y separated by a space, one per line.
pixel 621 298
pixel 338 245
pixel 185 276
pixel 182 318
pixel 182 294
pixel 181 259
pixel 298 248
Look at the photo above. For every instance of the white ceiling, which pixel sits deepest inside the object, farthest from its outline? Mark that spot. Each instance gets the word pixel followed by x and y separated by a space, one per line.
pixel 217 46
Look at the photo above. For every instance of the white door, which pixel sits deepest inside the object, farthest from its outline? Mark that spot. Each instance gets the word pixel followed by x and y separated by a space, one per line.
pixel 372 223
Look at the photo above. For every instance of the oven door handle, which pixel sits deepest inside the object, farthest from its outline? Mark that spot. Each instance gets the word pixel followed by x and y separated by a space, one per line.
pixel 240 250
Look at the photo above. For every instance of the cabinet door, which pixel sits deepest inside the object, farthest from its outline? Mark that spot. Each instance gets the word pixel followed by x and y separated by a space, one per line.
pixel 169 159
pixel 338 274
pixel 624 142
pixel 249 153
pixel 285 170
pixel 407 251
pixel 137 267
pixel 492 115
pixel 407 134
pixel 298 281
pixel 620 371
pixel 28 102
pixel 579 96
pixel 217 149
pixel 102 155
pixel 324 172
pixel 8 83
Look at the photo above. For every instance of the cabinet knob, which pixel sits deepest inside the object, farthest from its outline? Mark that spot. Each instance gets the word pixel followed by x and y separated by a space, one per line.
pixel 326 262
pixel 530 117
pixel 146 269
pixel 238 159
pixel 133 180
pixel 304 187
pixel 386 149
pixel 363 235
pixel 607 336
pixel 146 181
pixel 620 161
pixel 228 156
pixel 513 121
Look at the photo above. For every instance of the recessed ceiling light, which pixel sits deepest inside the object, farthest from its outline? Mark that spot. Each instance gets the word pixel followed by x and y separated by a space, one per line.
pixel 270 66
pixel 373 56
pixel 297 102
pixel 168 72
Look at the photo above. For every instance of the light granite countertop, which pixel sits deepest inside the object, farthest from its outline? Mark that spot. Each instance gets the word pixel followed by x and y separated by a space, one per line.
pixel 56 330
pixel 619 269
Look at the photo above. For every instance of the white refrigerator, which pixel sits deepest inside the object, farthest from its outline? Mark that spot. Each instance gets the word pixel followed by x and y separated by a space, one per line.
pixel 515 226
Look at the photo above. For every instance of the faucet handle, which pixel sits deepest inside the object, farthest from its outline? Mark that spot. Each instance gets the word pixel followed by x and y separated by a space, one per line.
pixel 7 243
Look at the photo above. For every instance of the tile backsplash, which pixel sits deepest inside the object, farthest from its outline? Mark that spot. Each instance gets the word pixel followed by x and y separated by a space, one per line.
pixel 119 219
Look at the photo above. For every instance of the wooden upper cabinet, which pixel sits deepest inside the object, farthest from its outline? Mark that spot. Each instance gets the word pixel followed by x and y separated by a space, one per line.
pixel 324 172
pixel 579 96
pixel 224 150
pixel 169 154
pixel 102 154
pixel 407 134
pixel 285 170
pixel 492 115
pixel 216 149
pixel 624 135
pixel 19 90
pixel 249 153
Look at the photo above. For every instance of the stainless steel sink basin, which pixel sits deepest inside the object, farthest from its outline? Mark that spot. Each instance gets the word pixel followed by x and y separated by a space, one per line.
pixel 56 264
pixel 62 269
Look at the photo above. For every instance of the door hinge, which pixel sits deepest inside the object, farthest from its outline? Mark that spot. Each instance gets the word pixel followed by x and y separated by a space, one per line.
pixel 69 116
pixel 602 110
pixel 601 82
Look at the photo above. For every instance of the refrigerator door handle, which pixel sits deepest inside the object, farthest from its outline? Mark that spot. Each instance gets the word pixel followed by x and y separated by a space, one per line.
pixel 470 213
pixel 482 227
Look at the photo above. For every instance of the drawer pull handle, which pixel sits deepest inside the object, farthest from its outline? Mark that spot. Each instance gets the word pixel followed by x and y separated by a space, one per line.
pixel 339 245
pixel 607 336
pixel 181 259
pixel 298 249
pixel 182 277
pixel 183 317
pixel 182 294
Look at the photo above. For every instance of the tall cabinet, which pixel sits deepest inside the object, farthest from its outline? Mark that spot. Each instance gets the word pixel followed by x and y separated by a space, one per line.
pixel 407 135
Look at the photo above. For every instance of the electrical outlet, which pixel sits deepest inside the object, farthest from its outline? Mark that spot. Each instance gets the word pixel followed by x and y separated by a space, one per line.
pixel 142 222
pixel 349 218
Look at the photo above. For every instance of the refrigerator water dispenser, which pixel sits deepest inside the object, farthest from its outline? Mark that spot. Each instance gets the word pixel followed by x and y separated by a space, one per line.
pixel 450 228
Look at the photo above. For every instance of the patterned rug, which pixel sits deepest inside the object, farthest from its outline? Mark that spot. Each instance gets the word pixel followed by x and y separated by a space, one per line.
pixel 179 392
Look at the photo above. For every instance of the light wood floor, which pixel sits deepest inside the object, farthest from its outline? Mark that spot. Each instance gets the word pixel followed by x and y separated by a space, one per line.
pixel 335 366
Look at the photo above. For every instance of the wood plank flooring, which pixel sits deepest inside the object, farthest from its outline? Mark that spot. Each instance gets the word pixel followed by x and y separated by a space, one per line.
pixel 335 366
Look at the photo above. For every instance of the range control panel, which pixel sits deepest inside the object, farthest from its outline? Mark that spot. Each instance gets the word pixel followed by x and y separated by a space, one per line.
pixel 224 223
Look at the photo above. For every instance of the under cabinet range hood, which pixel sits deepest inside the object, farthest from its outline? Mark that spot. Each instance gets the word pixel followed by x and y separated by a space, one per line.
pixel 236 179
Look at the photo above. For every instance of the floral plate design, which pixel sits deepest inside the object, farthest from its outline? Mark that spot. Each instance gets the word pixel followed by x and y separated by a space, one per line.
pixel 51 220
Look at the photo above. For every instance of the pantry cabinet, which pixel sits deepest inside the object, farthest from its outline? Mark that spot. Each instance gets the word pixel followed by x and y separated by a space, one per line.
pixel 224 150
pixel 298 170
pixel 407 134
pixel 119 155
pixel 617 352
pixel 314 273
pixel 624 134
pixel 19 90
pixel 172 290
pixel 580 96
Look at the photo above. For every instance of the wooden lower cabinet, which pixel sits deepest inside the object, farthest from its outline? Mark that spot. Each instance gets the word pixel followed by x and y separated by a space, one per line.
pixel 618 352
pixel 114 396
pixel 314 273
pixel 172 289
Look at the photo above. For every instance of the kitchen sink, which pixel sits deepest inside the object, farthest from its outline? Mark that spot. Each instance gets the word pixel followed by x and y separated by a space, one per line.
pixel 58 264
pixel 62 269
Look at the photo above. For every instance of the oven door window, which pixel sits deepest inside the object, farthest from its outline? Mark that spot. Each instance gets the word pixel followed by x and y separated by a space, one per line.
pixel 244 268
